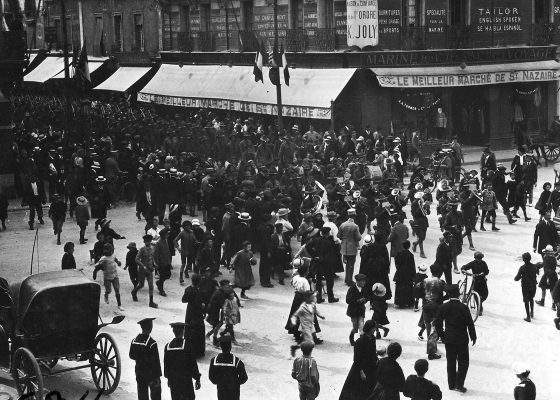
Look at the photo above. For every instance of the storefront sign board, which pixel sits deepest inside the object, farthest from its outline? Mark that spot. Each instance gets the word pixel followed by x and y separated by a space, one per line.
pixel 362 23
pixel 234 105
pixel 459 80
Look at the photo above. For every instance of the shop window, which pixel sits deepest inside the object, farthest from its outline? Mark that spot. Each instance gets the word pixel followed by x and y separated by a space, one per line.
pixel 412 14
pixel 205 19
pixel 329 14
pixel 542 11
pixel 458 12
pixel 247 16
pixel 98 46
pixel 138 32
pixel 529 109
pixel 58 27
pixel 117 32
pixel 296 14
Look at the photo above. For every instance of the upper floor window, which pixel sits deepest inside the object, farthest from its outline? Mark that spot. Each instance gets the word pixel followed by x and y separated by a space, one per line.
pixel 458 12
pixel 543 11
pixel 139 31
pixel 412 12
pixel 117 32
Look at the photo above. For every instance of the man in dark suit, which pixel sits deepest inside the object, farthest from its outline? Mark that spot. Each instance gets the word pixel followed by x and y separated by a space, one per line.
pixel 324 252
pixel 35 197
pixel 459 326
pixel 487 163
pixel 545 234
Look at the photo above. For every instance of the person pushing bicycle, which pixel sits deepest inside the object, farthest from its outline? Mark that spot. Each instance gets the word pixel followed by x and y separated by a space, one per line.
pixel 479 270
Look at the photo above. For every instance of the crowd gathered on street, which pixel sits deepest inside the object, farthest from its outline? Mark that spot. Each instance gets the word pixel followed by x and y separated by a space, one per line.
pixel 229 192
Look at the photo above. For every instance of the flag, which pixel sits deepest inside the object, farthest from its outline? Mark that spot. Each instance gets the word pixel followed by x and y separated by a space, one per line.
pixel 82 65
pixel 284 65
pixel 258 67
pixel 273 63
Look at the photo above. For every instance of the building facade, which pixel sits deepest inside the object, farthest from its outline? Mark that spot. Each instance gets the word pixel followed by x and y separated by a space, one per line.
pixel 484 70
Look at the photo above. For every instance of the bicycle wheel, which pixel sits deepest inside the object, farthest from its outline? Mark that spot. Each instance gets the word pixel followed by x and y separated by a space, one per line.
pixel 462 291
pixel 474 305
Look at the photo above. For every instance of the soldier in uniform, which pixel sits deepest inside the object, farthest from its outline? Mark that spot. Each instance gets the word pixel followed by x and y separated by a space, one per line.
pixel 180 366
pixel 144 351
pixel 227 372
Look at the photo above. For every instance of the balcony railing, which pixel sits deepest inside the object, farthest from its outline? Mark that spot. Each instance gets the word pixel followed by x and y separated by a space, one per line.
pixel 328 39
pixel 543 34
pixel 311 39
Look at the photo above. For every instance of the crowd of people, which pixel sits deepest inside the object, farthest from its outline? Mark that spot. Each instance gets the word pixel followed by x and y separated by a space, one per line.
pixel 302 200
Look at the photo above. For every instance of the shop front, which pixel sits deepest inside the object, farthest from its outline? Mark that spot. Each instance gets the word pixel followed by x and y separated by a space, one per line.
pixel 495 103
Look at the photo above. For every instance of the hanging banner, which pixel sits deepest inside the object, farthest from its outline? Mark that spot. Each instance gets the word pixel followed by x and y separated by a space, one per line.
pixel 362 23
pixel 457 80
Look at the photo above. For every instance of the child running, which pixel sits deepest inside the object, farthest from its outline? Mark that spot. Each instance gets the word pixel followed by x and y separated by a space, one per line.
pixel 305 314
pixel 108 263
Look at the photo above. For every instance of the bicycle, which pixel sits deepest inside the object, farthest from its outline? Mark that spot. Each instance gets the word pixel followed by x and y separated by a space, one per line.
pixel 469 297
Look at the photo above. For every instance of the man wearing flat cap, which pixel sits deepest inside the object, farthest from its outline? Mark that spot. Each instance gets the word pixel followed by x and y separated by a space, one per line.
pixel 144 351
pixel 180 366
pixel 227 372
pixel 454 326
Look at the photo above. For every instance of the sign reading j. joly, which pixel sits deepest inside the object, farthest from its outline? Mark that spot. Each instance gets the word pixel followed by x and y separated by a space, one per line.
pixel 362 20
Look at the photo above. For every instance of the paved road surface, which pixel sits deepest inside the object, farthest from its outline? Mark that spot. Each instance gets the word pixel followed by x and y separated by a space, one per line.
pixel 503 335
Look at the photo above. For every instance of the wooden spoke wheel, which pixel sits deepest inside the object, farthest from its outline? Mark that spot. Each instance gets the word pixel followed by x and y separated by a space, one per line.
pixel 551 153
pixel 105 363
pixel 27 374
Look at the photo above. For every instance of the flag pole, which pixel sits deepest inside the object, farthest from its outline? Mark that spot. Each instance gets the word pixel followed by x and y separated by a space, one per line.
pixel 279 86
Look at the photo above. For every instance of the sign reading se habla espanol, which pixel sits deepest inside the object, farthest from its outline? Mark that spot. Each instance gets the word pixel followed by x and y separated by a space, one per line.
pixel 362 23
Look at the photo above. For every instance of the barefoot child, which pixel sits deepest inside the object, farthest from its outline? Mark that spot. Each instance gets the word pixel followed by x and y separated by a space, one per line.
pixel 305 371
pixel 306 315
pixel 230 313
pixel 108 263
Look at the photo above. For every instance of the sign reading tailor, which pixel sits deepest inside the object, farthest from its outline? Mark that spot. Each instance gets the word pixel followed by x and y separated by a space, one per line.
pixel 362 23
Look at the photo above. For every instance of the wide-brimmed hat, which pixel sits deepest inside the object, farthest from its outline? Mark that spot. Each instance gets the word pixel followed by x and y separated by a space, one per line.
pixel 131 245
pixel 549 248
pixel 351 212
pixel 368 239
pixel 356 194
pixel 395 192
pixel 378 289
pixel 100 179
pixel 418 195
pixel 104 222
pixel 422 268
pixel 195 222
pixel 419 186
pixel 81 201
pixel 283 211
pixel 244 216
pixel 161 171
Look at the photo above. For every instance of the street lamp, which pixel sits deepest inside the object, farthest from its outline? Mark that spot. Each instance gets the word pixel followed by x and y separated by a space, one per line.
pixel 274 5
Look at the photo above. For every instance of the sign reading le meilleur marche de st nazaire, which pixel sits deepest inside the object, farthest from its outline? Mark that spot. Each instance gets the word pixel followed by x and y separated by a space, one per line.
pixel 362 18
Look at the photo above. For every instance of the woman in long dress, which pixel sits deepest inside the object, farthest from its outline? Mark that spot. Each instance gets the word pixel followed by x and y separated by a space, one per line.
pixel 242 263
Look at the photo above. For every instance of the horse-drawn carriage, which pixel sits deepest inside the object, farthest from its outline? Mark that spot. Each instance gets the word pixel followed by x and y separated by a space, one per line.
pixel 53 316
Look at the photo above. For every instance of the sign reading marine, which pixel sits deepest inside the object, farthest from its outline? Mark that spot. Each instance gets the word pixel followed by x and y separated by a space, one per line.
pixel 362 18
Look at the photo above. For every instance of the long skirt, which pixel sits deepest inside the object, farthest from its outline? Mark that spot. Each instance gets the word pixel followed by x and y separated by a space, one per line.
pixel 354 387
pixel 292 329
pixel 404 294
pixel 195 331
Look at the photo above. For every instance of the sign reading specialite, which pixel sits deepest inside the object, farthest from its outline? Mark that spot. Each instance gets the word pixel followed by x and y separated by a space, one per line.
pixel 362 23
pixel 475 79
pixel 234 105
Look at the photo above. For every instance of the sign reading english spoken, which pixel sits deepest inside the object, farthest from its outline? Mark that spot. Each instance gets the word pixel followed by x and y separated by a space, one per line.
pixel 362 23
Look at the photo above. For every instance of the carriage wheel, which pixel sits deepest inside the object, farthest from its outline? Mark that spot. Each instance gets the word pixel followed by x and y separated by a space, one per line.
pixel 474 305
pixel 27 374
pixel 105 363
pixel 551 153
